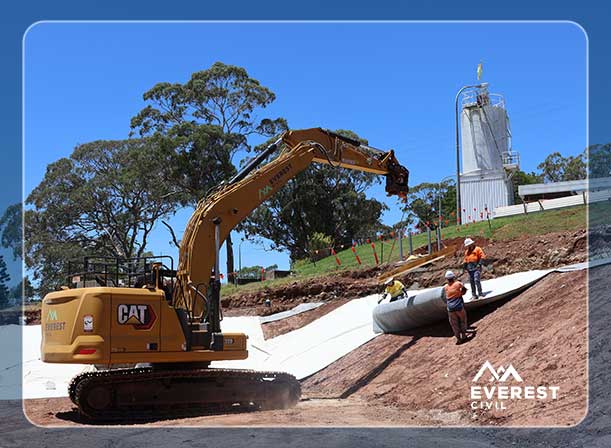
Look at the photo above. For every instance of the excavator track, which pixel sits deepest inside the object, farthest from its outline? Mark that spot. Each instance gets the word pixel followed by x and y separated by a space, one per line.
pixel 145 393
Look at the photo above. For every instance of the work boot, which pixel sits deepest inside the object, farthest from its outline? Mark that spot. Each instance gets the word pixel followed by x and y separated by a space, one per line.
pixel 459 341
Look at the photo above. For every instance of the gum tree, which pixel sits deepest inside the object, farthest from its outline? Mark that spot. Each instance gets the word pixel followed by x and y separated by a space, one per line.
pixel 219 104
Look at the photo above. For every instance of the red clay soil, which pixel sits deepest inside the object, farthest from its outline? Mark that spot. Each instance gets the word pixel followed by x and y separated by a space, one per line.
pixel 542 333
pixel 421 378
pixel 54 412
pixel 503 257
pixel 282 326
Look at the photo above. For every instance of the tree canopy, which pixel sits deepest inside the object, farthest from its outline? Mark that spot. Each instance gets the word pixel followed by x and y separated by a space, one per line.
pixel 204 122
pixel 422 205
pixel 523 178
pixel 556 168
pixel 4 279
pixel 104 199
pixel 599 157
pixel 11 230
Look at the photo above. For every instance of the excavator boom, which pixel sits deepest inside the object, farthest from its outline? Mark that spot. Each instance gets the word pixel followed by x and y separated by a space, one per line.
pixel 220 212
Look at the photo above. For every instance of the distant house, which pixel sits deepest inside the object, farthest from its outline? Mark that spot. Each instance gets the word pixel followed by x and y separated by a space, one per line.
pixel 277 273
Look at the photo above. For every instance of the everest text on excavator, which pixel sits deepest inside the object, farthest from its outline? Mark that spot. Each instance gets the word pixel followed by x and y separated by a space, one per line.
pixel 120 312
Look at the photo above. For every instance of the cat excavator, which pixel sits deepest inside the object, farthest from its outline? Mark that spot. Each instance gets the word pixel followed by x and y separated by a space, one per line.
pixel 153 330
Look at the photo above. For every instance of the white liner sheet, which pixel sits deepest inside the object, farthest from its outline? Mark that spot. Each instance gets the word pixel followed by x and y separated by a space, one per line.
pixel 301 352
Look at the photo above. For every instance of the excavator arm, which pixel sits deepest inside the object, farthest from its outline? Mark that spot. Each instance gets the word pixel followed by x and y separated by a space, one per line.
pixel 198 288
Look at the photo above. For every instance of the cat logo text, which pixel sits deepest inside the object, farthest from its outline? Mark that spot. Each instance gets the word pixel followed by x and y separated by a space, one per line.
pixel 141 317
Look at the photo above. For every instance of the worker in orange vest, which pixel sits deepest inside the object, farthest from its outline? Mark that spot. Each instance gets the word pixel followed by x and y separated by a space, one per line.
pixel 457 315
pixel 473 265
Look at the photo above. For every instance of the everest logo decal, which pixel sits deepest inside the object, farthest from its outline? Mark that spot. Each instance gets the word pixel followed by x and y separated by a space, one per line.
pixel 265 191
pixel 502 385
pixel 501 375
pixel 142 317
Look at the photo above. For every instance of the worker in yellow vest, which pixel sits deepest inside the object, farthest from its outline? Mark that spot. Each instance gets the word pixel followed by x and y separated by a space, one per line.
pixel 394 289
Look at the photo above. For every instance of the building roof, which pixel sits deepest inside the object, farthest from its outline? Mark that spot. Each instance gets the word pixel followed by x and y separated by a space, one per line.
pixel 601 183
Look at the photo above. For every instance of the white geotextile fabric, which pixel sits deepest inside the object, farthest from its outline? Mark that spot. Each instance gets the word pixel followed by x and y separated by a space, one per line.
pixel 498 288
pixel 309 349
pixel 40 380
pixel 312 347
pixel 301 308
pixel 301 352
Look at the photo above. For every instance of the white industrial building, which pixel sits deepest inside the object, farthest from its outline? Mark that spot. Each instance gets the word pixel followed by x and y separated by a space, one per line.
pixel 540 197
pixel 488 161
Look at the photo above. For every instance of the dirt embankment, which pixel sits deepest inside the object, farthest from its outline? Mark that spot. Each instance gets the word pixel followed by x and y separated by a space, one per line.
pixel 542 333
pixel 276 328
pixel 421 378
pixel 503 257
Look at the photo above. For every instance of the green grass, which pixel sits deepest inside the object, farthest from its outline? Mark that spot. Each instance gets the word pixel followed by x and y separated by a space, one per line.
pixel 497 229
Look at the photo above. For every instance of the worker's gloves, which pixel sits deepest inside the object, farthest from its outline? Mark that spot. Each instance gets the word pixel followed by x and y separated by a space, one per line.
pixel 384 297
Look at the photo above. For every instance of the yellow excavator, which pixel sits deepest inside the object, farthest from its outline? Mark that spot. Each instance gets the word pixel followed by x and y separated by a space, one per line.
pixel 165 323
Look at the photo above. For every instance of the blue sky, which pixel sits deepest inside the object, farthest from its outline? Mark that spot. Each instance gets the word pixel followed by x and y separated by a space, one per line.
pixel 393 84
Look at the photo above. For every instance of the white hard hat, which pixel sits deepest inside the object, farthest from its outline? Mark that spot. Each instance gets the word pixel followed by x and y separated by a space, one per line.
pixel 468 242
pixel 450 274
pixel 390 281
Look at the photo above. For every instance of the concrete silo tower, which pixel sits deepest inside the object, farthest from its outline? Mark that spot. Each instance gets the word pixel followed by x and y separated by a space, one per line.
pixel 488 161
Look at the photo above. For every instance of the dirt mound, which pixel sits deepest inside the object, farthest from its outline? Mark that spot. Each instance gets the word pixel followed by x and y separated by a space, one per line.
pixel 503 257
pixel 349 284
pixel 421 378
pixel 542 333
pixel 506 257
